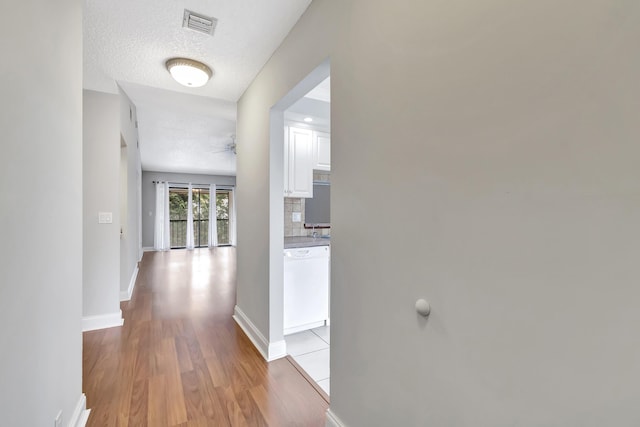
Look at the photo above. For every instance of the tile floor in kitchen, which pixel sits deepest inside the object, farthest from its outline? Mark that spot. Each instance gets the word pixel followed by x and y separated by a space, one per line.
pixel 310 349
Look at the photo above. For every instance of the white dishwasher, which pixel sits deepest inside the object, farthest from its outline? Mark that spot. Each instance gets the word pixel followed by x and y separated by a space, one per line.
pixel 306 288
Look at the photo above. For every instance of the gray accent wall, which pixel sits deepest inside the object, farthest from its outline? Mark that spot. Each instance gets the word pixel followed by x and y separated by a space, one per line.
pixel 505 137
pixel 40 211
pixel 101 178
pixel 149 195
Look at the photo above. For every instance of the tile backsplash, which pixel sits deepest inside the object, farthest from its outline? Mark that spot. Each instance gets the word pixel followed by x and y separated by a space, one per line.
pixel 321 176
pixel 296 205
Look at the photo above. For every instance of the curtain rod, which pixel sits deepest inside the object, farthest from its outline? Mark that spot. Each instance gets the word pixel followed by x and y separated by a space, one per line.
pixel 201 185
pixel 179 183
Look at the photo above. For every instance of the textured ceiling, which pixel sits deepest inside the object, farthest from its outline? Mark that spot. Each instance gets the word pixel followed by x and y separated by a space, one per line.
pixel 127 42
pixel 130 41
pixel 183 133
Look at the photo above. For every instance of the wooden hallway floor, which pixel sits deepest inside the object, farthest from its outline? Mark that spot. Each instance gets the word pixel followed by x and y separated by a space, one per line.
pixel 181 360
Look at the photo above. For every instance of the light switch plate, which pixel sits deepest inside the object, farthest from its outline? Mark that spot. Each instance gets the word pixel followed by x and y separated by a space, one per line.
pixel 296 216
pixel 105 217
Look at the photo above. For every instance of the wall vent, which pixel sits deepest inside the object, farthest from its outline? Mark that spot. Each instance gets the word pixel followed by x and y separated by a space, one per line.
pixel 200 23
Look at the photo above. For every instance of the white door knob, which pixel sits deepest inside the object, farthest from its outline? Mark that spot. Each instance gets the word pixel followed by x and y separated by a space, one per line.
pixel 423 308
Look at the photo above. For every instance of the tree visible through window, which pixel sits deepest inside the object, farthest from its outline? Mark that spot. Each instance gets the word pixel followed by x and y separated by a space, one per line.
pixel 200 202
pixel 178 202
pixel 222 217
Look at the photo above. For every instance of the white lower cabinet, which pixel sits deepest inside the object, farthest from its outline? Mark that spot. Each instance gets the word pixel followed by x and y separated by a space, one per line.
pixel 306 288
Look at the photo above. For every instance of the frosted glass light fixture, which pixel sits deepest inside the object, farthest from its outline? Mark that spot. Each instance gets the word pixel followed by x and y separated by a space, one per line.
pixel 188 72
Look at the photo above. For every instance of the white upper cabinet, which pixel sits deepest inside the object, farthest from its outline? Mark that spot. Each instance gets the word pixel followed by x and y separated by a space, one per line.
pixel 298 163
pixel 321 151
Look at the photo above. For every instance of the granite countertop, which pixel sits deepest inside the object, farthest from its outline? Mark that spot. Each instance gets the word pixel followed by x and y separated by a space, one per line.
pixel 305 242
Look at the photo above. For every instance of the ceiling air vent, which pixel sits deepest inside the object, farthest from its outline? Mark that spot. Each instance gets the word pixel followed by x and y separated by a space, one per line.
pixel 200 23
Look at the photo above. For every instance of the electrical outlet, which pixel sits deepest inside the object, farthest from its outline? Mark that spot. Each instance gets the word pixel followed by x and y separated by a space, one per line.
pixel 296 216
pixel 58 420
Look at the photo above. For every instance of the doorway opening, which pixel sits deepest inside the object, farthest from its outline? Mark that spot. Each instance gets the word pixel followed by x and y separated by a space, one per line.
pixel 300 252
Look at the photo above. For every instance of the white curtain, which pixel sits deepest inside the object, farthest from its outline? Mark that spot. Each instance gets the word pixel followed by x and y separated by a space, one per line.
pixel 232 209
pixel 161 240
pixel 190 244
pixel 213 222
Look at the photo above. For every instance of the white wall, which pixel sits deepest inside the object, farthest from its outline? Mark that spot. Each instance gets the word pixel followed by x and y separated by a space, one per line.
pixel 149 195
pixel 40 211
pixel 130 196
pixel 101 173
pixel 506 134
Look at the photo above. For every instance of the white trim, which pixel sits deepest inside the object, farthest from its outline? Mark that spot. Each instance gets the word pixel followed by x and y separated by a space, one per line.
pixel 91 323
pixel 277 350
pixel 80 414
pixel 270 351
pixel 333 421
pixel 148 249
pixel 126 295
pixel 305 327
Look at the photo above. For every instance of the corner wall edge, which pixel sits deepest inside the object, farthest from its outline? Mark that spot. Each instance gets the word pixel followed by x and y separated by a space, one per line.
pixel 269 350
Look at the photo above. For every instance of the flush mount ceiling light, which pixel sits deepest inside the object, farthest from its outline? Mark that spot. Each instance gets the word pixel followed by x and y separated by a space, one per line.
pixel 308 119
pixel 188 72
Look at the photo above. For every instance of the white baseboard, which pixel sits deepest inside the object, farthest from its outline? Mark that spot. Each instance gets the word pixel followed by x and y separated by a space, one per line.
pixel 270 351
pixel 126 295
pixel 148 249
pixel 332 420
pixel 305 327
pixel 91 323
pixel 277 350
pixel 80 414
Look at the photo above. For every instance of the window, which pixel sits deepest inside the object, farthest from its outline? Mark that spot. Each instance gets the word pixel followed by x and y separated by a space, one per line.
pixel 222 217
pixel 200 198
pixel 200 201
pixel 178 202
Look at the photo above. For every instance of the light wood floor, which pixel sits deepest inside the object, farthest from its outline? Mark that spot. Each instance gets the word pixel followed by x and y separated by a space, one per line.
pixel 180 359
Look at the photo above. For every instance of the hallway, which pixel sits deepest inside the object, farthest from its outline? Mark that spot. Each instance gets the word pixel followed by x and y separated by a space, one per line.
pixel 180 359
